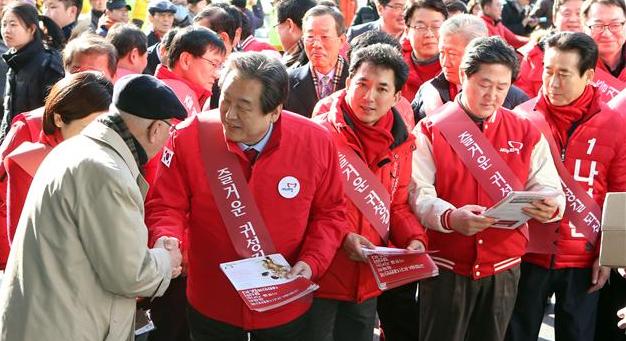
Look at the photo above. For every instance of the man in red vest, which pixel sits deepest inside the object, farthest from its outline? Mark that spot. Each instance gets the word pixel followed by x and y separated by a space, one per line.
pixel 362 118
pixel 577 120
pixel 289 168
pixel 474 294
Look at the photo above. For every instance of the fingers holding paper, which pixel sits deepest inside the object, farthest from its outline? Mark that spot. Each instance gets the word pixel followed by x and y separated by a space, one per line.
pixel 542 210
pixel 469 220
pixel 172 245
pixel 353 246
pixel 416 245
pixel 300 269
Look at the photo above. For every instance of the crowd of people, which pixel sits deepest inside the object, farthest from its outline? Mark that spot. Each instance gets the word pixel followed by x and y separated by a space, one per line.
pixel 145 144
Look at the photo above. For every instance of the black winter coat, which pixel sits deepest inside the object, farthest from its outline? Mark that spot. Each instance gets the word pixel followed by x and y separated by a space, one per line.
pixel 32 71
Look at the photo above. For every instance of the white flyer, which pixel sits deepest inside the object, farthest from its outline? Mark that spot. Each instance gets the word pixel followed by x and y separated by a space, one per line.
pixel 508 211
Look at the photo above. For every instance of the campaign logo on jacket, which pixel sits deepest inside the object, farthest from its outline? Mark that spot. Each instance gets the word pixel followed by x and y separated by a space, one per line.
pixel 288 187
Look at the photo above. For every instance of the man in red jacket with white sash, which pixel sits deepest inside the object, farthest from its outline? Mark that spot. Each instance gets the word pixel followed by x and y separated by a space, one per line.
pixel 376 145
pixel 470 154
pixel 588 138
pixel 246 180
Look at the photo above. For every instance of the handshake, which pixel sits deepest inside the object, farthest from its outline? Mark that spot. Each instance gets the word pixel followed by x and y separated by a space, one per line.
pixel 172 245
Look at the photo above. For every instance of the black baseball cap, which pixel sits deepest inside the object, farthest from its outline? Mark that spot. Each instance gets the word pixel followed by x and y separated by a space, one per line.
pixel 117 4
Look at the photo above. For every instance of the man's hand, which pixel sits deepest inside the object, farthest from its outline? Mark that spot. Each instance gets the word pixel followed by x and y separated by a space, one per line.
pixel 599 276
pixel 352 245
pixel 171 244
pixel 300 269
pixel 416 245
pixel 468 220
pixel 542 210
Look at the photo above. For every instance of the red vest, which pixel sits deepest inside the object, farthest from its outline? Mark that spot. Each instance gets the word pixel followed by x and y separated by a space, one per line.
pixel 492 250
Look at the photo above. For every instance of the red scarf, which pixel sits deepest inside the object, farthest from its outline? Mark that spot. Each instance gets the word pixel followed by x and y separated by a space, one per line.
pixel 374 140
pixel 162 72
pixel 562 118
pixel 453 89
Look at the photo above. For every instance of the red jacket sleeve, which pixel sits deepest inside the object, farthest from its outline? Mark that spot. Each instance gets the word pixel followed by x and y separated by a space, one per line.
pixel 327 220
pixel 511 38
pixel 167 202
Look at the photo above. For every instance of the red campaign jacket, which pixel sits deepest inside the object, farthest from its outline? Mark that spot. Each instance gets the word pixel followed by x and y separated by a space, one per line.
pixel 622 74
pixel 606 130
pixel 498 29
pixel 531 69
pixel 309 227
pixel 19 178
pixel 403 108
pixel 25 127
pixel 347 280
pixel 418 73
pixel 492 250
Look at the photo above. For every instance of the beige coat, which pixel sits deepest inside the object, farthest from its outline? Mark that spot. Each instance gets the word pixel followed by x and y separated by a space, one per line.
pixel 79 258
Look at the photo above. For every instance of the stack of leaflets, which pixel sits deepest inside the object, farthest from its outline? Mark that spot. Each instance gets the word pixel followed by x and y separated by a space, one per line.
pixel 262 282
pixel 508 211
pixel 395 267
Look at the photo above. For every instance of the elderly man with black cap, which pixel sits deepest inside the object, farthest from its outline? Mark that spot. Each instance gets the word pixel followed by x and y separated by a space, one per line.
pixel 80 257
pixel 116 12
pixel 162 19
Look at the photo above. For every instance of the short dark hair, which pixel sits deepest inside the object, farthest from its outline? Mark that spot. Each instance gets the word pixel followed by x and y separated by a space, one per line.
pixel 220 19
pixel 433 5
pixel 126 37
pixel 381 55
pixel 373 37
pixel 294 10
pixel 483 3
pixel 195 40
pixel 457 6
pixel 238 3
pixel 383 2
pixel 489 50
pixel 76 96
pixel 584 10
pixel 321 10
pixel 77 3
pixel 578 42
pixel 90 44
pixel 269 71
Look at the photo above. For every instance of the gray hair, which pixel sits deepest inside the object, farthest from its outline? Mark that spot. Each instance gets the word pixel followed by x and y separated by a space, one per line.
pixel 467 25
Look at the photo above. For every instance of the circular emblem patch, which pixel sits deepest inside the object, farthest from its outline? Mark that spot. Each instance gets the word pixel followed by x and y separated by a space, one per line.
pixel 288 187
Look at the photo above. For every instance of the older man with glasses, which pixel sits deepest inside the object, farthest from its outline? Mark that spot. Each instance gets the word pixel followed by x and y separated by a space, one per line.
pixel 326 72
pixel 604 21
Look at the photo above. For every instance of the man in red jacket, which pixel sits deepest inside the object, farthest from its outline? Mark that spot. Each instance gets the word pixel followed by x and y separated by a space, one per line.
pixel 292 171
pixel 423 19
pixel 361 117
pixel 492 16
pixel 604 22
pixel 474 294
pixel 566 19
pixel 579 123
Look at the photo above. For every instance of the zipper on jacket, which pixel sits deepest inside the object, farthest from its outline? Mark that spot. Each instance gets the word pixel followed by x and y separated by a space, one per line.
pixel 570 132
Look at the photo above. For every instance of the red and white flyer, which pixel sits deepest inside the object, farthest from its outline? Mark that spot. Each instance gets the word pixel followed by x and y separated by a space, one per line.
pixel 395 267
pixel 262 283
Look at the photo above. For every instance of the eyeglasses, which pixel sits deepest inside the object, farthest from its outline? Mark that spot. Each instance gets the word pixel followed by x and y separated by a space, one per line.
pixel 613 27
pixel 396 7
pixel 215 65
pixel 171 126
pixel 321 39
pixel 423 28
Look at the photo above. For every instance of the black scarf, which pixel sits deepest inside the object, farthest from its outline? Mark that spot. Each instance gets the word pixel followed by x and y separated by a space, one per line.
pixel 115 122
